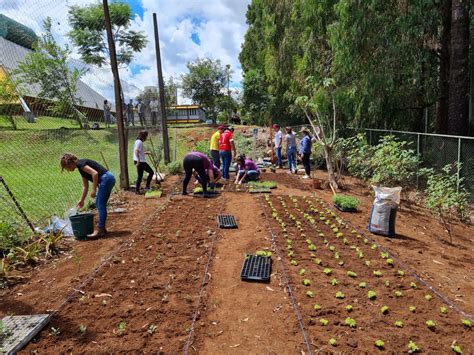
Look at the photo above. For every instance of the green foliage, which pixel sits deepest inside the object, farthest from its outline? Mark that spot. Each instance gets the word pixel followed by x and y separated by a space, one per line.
pixel 332 342
pixel 345 201
pixel 175 167
pixel 350 322
pixel 48 67
pixel 430 324
pixel 371 295
pixel 443 196
pixel 89 35
pixel 202 146
pixel 412 347
pixel 379 343
pixel 204 84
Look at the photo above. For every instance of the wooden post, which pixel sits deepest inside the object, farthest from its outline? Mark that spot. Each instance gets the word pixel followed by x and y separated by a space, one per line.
pixel 124 183
pixel 166 144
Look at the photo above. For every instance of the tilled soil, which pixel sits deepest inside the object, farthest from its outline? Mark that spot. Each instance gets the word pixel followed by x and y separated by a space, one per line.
pixel 143 300
pixel 310 249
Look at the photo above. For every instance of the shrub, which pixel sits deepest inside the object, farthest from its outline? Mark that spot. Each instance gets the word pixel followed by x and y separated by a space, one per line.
pixel 175 167
pixel 202 146
pixel 443 196
pixel 345 201
pixel 359 153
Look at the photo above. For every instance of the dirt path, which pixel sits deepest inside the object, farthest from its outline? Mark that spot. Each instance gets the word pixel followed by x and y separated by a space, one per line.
pixel 242 317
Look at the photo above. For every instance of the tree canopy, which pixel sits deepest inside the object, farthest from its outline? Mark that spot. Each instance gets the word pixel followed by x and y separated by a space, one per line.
pixel 89 35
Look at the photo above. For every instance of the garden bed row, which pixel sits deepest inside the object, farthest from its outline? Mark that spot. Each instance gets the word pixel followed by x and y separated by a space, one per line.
pixel 353 295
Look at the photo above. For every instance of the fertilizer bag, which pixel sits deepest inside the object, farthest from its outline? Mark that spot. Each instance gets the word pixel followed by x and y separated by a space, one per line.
pixel 384 210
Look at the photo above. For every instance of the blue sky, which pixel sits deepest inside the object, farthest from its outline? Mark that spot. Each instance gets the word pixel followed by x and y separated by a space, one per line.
pixel 188 30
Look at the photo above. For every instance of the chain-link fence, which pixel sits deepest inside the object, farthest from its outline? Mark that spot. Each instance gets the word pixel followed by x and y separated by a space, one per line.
pixel 435 151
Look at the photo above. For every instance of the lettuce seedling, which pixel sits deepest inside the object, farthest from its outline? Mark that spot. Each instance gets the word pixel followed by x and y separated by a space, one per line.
pixel 350 322
pixel 340 295
pixel 443 310
pixel 327 271
pixel 430 324
pixel 334 282
pixel 385 309
pixel 290 253
pixel 351 274
pixel 367 262
pixel 323 322
pixel 377 273
pixel 340 263
pixel 306 282
pixel 401 273
pixel 362 285
pixel 316 307
pixel 412 347
pixel 294 262
pixel 310 294
pixel 349 308
pixel 333 342
pixel 413 285
pixel 456 348
pixel 373 246
pixel 428 297
pixel 366 241
pixel 332 248
pixel 339 235
pixel 387 283
pixel 312 247
pixel 389 261
pixel 372 295
pixel 336 255
pixel 399 324
pixel 466 323
pixel 360 255
pixel 379 344
pixel 398 294
pixel 302 272
pixel 345 241
pixel 384 255
pixel 317 261
pixel 412 309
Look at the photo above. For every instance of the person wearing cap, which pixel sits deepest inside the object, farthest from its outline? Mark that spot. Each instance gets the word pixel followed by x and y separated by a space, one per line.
pixel 248 170
pixel 278 144
pixel 214 147
pixel 305 152
pixel 226 148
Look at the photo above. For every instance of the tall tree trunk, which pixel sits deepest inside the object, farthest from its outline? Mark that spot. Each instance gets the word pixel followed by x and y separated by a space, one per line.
pixel 459 69
pixel 330 167
pixel 443 102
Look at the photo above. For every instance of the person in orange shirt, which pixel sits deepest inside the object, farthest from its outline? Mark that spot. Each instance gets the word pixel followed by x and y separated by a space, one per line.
pixel 214 147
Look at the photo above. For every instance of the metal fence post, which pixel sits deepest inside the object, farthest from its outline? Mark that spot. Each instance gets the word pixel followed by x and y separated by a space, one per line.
pixel 370 137
pixel 418 164
pixel 459 164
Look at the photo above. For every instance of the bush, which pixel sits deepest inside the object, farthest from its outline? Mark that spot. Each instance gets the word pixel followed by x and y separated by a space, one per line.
pixel 359 154
pixel 443 196
pixel 345 201
pixel 175 167
pixel 202 146
pixel 393 163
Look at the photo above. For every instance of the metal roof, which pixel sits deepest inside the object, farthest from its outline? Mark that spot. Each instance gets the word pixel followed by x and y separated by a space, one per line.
pixel 11 54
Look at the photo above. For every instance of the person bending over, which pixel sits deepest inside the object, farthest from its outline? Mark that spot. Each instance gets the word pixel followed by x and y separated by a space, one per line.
pixel 199 163
pixel 102 183
pixel 248 170
pixel 140 162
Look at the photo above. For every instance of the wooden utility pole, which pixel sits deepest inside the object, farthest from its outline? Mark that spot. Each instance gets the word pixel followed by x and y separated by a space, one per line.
pixel 124 183
pixel 161 86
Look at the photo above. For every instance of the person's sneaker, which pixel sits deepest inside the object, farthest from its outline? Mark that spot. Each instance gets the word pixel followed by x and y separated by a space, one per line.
pixel 306 177
pixel 289 172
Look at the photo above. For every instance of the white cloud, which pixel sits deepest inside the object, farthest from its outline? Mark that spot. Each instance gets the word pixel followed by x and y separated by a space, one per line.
pixel 220 25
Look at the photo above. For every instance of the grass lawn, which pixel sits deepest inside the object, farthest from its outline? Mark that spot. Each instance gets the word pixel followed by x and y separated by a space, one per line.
pixel 41 123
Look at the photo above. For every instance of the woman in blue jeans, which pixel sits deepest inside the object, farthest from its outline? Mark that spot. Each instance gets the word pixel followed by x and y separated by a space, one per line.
pixel 102 183
pixel 290 140
pixel 248 170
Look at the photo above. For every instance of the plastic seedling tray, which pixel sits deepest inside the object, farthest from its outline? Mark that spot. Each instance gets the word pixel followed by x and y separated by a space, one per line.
pixel 152 194
pixel 256 268
pixel 19 330
pixel 345 209
pixel 226 221
pixel 260 190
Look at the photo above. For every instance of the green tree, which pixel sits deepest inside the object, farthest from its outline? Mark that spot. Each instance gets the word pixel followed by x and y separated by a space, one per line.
pixel 205 84
pixel 8 96
pixel 48 68
pixel 89 35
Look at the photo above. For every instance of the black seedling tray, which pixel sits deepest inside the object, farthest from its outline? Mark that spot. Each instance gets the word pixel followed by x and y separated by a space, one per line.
pixel 342 209
pixel 226 221
pixel 256 268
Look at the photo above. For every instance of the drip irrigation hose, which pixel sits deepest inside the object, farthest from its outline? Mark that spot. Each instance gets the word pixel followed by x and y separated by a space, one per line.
pixel 121 247
pixel 201 290
pixel 440 295
pixel 287 282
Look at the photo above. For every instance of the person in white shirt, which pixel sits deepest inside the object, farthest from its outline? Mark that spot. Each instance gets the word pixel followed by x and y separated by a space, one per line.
pixel 154 111
pixel 140 162
pixel 141 112
pixel 278 144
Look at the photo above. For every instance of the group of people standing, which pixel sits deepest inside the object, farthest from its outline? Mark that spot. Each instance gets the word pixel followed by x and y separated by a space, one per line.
pixel 129 112
pixel 304 150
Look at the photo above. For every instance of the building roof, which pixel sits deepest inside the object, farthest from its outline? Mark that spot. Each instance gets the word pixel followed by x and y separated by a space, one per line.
pixel 11 54
pixel 183 107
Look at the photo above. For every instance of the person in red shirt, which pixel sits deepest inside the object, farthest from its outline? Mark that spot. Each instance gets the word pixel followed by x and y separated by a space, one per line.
pixel 226 148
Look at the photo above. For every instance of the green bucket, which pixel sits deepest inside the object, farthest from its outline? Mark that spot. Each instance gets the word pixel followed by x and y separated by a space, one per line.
pixel 82 225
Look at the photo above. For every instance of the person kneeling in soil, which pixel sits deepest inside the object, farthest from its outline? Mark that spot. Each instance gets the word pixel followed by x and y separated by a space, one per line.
pixel 248 170
pixel 102 183
pixel 199 163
